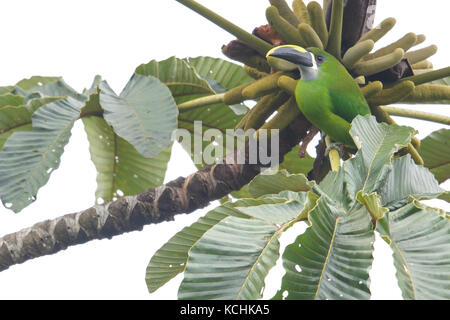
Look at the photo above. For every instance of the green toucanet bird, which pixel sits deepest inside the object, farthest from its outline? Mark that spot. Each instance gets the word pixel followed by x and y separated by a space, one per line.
pixel 326 94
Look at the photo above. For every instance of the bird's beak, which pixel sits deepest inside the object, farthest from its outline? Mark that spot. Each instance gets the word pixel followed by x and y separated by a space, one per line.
pixel 296 55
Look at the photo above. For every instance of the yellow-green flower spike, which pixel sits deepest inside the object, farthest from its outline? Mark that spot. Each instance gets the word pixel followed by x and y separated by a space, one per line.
pixel 429 93
pixel 405 43
pixel 421 54
pixel 379 31
pixel 310 36
pixel 286 114
pixel 420 39
pixel 415 155
pixel 361 80
pixel 318 22
pixel 287 84
pixel 392 95
pixel 335 35
pixel 255 73
pixel 285 11
pixel 264 108
pixel 421 71
pixel 262 87
pixel 286 31
pixel 372 89
pixel 425 64
pixel 301 11
pixel 201 102
pixel 374 66
pixel 357 52
pixel 333 155
pixel 430 76
pixel 234 96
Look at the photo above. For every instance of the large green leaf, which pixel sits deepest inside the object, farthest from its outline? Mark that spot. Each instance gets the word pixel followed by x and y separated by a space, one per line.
pixel 331 260
pixel 121 170
pixel 28 158
pixel 144 114
pixel 420 239
pixel 231 260
pixel 251 246
pixel 435 151
pixel 377 143
pixel 172 257
pixel 405 180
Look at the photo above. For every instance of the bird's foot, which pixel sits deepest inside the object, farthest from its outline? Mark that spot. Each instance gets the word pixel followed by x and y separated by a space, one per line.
pixel 339 147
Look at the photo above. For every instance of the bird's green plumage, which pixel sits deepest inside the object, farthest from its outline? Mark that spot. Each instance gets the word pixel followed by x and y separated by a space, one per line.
pixel 332 99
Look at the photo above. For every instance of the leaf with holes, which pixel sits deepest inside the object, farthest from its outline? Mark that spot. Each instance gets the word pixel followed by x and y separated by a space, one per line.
pixel 231 261
pixel 144 113
pixel 331 260
pixel 28 158
pixel 420 238
pixel 121 170
pixel 172 257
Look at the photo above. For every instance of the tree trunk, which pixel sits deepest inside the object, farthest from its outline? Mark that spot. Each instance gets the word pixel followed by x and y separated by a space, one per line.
pixel 131 213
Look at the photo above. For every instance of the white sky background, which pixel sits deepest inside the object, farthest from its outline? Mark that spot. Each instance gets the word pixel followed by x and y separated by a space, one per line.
pixel 79 39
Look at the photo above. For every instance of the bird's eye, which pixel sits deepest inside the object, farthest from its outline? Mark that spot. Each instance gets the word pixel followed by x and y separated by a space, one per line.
pixel 320 59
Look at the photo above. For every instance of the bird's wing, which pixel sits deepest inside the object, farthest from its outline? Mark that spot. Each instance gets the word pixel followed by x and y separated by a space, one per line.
pixel 349 105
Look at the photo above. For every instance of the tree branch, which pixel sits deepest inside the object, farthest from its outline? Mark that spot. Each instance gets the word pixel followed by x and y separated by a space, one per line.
pixel 131 213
